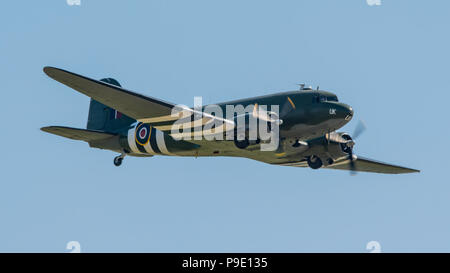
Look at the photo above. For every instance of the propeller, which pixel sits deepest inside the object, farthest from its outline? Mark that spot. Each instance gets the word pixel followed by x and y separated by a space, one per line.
pixel 359 129
pixel 352 162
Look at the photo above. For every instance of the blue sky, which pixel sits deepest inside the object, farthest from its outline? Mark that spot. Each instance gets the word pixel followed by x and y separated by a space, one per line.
pixel 389 62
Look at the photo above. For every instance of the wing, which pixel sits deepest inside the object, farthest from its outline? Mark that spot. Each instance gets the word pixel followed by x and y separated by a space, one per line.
pixel 368 165
pixel 77 134
pixel 132 104
pixel 142 108
pixel 361 165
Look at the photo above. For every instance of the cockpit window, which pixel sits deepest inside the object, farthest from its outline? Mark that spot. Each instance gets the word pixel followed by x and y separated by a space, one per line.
pixel 322 98
pixel 332 98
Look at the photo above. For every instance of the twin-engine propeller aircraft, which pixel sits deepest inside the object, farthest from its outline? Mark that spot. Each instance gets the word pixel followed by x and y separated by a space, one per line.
pixel 136 125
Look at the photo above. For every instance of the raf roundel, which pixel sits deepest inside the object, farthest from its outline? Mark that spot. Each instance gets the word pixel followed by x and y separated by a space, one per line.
pixel 142 134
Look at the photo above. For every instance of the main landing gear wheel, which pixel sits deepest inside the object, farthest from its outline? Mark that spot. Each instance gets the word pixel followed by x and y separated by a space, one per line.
pixel 314 162
pixel 118 159
pixel 241 144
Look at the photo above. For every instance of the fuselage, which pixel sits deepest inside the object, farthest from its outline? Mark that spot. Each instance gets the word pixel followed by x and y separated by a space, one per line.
pixel 314 113
pixel 310 114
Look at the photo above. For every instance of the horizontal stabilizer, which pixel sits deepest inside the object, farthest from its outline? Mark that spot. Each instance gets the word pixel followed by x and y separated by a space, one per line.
pixel 77 134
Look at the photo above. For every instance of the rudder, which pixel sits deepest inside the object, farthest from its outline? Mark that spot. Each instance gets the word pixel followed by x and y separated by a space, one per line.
pixel 107 119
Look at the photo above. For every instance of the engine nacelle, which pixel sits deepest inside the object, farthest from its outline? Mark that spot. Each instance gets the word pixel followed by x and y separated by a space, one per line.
pixel 347 146
pixel 329 148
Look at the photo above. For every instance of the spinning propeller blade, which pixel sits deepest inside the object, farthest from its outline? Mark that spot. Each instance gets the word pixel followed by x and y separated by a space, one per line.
pixel 359 129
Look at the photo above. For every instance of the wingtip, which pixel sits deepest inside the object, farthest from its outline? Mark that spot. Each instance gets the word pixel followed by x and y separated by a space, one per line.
pixel 45 129
pixel 48 69
pixel 48 129
pixel 56 73
pixel 409 170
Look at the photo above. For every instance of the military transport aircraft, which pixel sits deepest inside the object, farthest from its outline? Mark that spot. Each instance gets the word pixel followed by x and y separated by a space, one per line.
pixel 136 125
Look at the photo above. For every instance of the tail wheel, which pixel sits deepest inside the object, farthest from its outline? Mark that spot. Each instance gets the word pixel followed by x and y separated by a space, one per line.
pixel 314 162
pixel 118 160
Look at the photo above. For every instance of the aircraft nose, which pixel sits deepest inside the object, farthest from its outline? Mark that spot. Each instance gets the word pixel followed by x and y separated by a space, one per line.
pixel 345 112
pixel 349 113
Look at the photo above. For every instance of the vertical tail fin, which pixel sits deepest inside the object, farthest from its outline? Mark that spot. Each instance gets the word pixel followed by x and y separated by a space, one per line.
pixel 106 119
